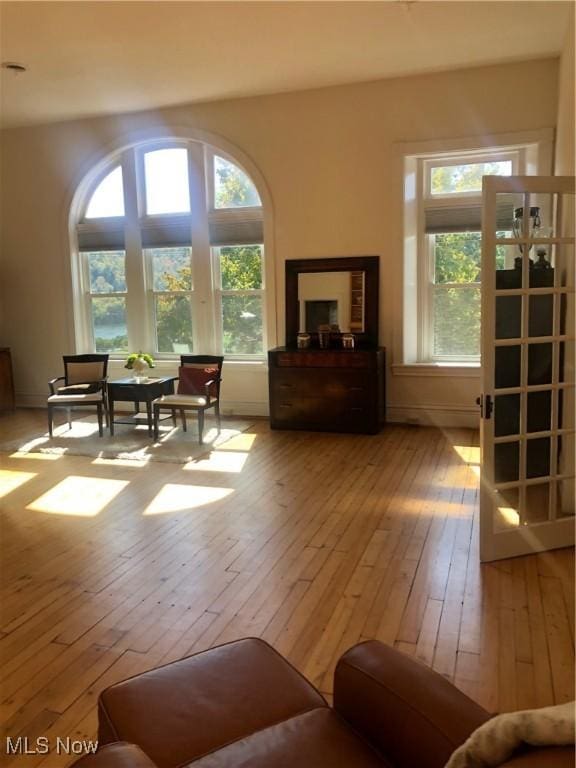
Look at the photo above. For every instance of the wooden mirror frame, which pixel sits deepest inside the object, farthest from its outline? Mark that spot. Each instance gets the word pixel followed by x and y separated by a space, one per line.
pixel 370 265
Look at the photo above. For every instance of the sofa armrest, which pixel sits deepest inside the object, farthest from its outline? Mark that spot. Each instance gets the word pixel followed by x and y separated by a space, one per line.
pixel 117 755
pixel 410 714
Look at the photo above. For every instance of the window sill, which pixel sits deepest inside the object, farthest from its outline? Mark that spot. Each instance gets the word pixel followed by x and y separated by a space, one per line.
pixel 165 365
pixel 460 370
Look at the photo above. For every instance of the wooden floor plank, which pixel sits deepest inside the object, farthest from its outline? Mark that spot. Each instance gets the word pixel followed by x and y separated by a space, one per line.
pixel 319 542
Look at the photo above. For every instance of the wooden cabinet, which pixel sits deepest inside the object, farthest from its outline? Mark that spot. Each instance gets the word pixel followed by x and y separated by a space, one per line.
pixel 6 381
pixel 333 390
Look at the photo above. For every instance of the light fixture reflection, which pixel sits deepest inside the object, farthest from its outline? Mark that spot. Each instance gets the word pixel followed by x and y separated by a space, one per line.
pixel 78 496
pixel 173 497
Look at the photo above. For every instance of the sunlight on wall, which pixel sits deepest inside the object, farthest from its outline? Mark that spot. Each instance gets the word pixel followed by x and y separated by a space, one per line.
pixel 78 496
pixel 178 498
pixel 219 461
pixel 12 479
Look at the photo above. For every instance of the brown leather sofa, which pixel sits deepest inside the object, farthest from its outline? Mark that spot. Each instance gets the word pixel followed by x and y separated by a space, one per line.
pixel 241 705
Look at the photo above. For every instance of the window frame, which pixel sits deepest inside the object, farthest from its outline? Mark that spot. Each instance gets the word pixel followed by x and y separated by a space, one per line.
pixel 219 292
pixel 140 294
pixel 470 158
pixel 425 242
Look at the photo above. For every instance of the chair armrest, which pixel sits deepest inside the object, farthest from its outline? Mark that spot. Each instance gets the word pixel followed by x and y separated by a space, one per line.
pixel 120 754
pixel 53 381
pixel 208 384
pixel 410 714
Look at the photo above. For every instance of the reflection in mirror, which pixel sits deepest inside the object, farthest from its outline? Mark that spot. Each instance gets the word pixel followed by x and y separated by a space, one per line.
pixel 331 298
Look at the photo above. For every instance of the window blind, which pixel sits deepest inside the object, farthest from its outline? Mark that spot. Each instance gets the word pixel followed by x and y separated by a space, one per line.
pixel 468 218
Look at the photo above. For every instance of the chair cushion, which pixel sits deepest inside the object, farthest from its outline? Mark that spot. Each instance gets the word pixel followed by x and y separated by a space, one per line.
pixel 315 739
pixel 95 397
pixel 192 380
pixel 186 709
pixel 80 389
pixel 181 401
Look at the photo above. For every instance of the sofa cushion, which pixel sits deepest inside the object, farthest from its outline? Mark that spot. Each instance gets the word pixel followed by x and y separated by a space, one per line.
pixel 315 739
pixel 183 710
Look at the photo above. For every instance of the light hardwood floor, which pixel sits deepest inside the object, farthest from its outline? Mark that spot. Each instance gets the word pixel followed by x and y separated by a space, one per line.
pixel 311 541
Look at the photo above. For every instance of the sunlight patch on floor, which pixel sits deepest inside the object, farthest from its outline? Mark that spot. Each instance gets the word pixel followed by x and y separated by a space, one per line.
pixel 219 461
pixel 10 479
pixel 173 497
pixel 36 456
pixel 468 453
pixel 242 442
pixel 121 463
pixel 78 496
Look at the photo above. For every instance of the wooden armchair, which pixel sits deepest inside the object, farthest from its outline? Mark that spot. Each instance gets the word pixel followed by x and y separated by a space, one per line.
pixel 199 378
pixel 84 385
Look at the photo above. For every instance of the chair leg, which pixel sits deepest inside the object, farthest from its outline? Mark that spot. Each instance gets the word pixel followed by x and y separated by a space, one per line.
pixel 200 426
pixel 99 412
pixel 217 411
pixel 174 422
pixel 183 417
pixel 69 411
pixel 50 420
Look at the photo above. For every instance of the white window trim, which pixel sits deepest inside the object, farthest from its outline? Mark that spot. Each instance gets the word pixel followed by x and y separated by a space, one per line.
pixel 131 154
pixel 414 300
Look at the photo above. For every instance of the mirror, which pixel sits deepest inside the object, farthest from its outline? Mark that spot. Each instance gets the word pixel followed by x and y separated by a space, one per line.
pixel 331 298
pixel 337 292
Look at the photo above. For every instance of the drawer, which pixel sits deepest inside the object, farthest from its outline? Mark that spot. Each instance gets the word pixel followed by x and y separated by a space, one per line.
pixel 315 412
pixel 326 383
pixel 341 358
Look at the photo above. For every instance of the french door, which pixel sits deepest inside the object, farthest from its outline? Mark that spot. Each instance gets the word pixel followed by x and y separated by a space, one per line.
pixel 527 500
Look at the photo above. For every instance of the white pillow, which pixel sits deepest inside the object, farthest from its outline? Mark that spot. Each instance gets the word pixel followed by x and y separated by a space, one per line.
pixel 495 741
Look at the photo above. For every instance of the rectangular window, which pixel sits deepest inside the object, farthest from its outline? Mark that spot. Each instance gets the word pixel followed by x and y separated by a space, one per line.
pixel 240 298
pixel 106 278
pixel 449 250
pixel 456 294
pixel 467 177
pixel 172 289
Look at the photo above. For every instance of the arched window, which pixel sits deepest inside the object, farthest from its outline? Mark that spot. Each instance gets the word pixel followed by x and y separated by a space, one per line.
pixel 171 255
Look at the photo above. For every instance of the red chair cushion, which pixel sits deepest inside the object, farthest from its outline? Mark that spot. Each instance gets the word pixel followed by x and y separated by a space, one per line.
pixel 193 381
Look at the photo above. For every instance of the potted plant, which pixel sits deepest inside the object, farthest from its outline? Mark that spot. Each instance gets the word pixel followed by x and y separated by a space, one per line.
pixel 139 362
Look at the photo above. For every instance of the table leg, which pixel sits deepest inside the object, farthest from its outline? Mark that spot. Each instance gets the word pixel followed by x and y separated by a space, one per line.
pixel 149 414
pixel 111 410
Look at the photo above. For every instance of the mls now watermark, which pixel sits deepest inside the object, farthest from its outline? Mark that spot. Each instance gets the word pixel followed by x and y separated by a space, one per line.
pixel 23 745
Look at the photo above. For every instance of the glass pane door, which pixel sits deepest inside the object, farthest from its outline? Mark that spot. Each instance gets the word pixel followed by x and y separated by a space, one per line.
pixel 528 436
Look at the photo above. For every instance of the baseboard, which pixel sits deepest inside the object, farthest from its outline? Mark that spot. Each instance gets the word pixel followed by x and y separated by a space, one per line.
pixel 435 415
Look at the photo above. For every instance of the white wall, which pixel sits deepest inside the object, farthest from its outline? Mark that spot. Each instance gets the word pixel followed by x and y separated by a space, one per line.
pixel 565 134
pixel 330 161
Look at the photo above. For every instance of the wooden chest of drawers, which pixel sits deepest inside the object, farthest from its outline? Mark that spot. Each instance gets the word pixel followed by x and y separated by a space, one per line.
pixel 6 381
pixel 336 390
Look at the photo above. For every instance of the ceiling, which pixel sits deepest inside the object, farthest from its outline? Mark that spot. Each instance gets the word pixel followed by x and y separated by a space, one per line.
pixel 90 58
